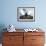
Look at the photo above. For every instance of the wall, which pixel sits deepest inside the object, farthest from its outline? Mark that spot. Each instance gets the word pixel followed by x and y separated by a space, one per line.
pixel 9 13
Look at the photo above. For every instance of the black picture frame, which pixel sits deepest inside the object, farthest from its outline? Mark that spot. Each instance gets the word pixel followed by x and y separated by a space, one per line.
pixel 26 14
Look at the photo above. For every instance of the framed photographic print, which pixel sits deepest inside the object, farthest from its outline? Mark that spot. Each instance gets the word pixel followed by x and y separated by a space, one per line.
pixel 26 14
